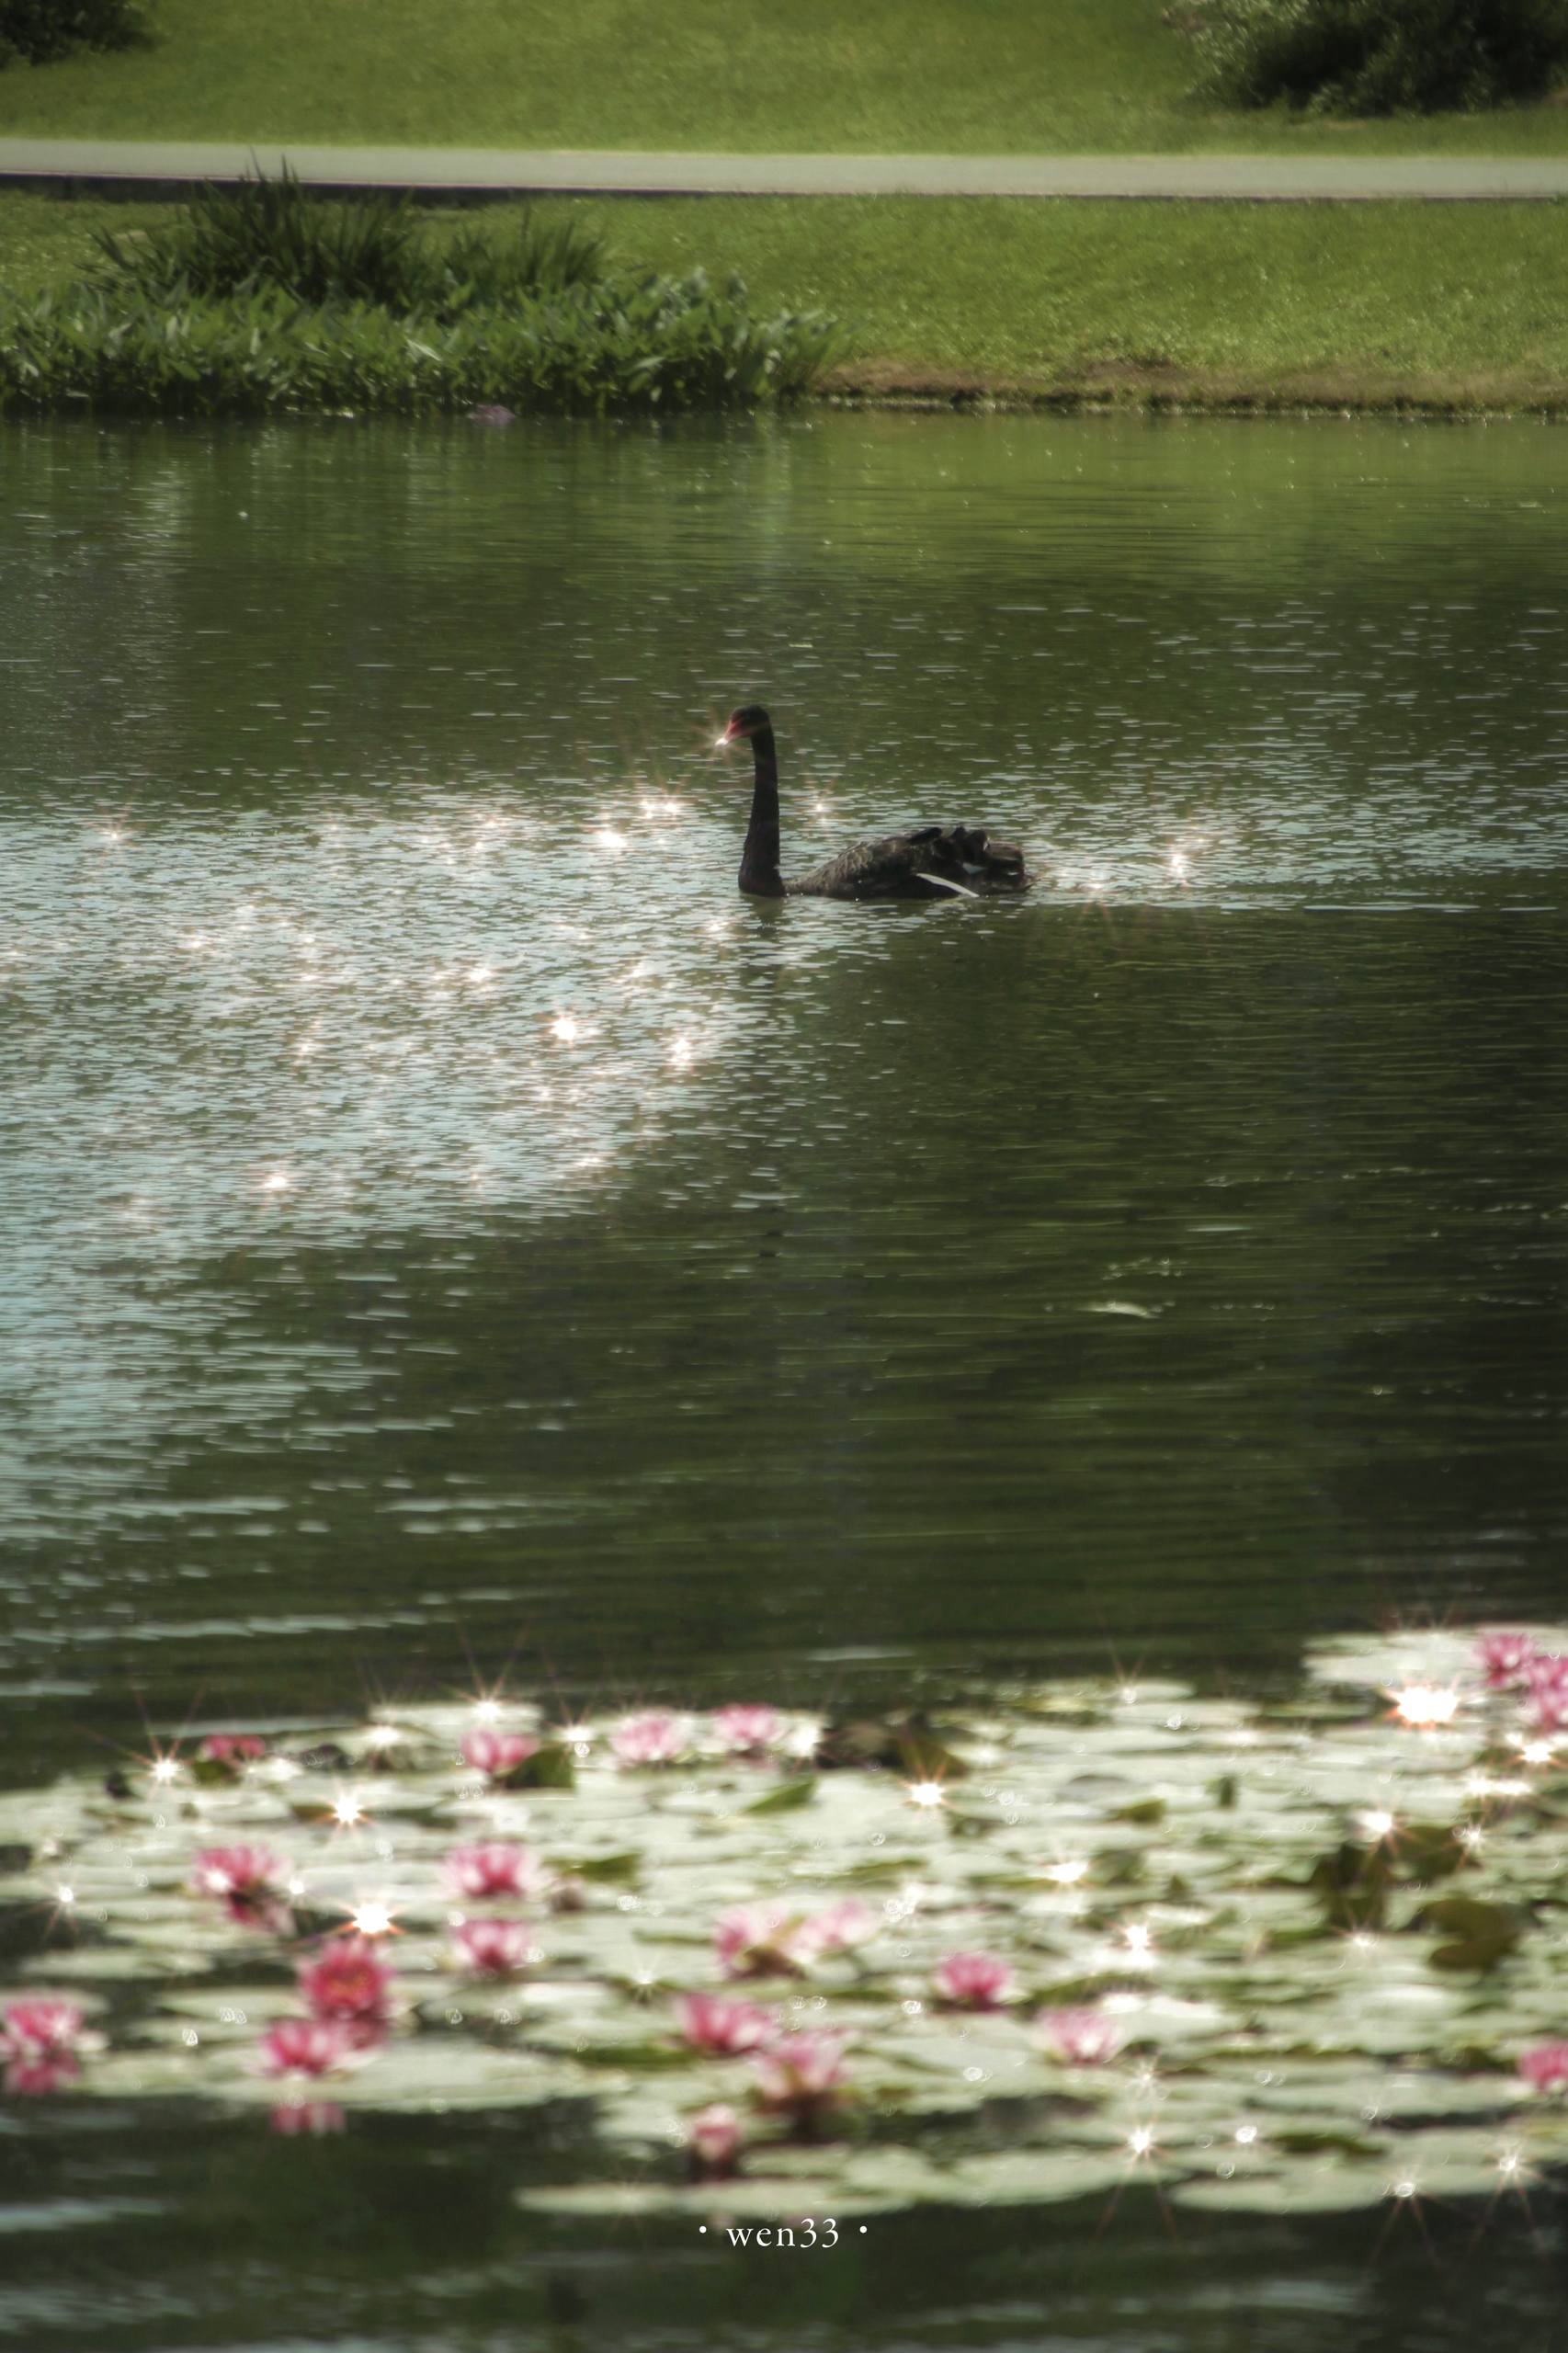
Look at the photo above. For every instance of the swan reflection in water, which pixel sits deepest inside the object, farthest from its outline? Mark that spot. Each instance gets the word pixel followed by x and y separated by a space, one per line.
pixel 932 862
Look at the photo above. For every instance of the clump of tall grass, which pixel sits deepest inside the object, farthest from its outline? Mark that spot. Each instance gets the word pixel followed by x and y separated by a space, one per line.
pixel 39 31
pixel 651 344
pixel 1371 57
pixel 328 249
pixel 268 299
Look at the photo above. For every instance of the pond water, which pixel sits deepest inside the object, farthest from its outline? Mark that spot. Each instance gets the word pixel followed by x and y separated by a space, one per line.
pixel 446 1226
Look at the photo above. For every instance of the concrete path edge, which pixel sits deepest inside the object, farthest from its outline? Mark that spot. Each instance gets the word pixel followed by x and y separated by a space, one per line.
pixel 149 166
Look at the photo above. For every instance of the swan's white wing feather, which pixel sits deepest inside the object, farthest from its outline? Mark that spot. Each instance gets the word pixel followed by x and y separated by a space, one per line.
pixel 944 882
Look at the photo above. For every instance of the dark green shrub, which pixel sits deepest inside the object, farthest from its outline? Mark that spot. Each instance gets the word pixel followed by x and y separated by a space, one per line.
pixel 41 30
pixel 331 250
pixel 268 298
pixel 1381 56
pixel 275 233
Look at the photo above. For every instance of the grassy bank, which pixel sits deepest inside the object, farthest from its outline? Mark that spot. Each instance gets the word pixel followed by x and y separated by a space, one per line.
pixel 1365 305
pixel 1013 77
pixel 1350 305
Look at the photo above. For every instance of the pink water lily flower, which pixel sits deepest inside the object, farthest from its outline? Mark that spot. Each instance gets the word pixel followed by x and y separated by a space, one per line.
pixel 313 2116
pixel 41 2044
pixel 351 1987
pixel 1546 1678
pixel 802 2076
pixel 713 2138
pixel 973 1980
pixel 1545 2067
pixel 493 1948
pixel 1504 1657
pixel 764 1941
pixel 232 1750
pixel 748 1729
pixel 841 1927
pixel 250 1884
pixel 310 2047
pixel 485 1874
pixel 712 2022
pixel 1085 2038
pixel 497 1755
pixel 655 1738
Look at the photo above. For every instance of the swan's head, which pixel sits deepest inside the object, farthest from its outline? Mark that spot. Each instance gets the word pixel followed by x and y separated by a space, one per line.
pixel 750 720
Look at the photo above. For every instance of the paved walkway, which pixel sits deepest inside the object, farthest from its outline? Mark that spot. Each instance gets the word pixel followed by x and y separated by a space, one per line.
pixel 157 165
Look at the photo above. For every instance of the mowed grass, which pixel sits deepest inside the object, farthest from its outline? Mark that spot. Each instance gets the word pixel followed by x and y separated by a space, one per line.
pixel 1352 302
pixel 1459 305
pixel 1002 76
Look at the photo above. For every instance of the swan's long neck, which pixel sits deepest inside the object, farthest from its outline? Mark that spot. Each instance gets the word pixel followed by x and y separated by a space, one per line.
pixel 760 877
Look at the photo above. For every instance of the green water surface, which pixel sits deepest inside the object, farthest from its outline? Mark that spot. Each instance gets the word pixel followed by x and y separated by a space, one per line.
pixel 445 1225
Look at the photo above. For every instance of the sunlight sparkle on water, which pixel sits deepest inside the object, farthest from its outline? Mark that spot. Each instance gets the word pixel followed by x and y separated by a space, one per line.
pixel 371 1920
pixel 925 1794
pixel 1426 1705
pixel 1069 1873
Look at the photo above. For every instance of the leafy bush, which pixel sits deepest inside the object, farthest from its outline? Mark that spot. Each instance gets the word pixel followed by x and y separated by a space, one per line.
pixel 325 250
pixel 41 30
pixel 652 343
pixel 268 298
pixel 1381 56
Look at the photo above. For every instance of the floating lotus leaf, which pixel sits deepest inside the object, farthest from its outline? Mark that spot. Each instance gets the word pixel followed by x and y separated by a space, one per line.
pixel 1253 1895
pixel 1329 2181
pixel 1476 1935
pixel 237 2014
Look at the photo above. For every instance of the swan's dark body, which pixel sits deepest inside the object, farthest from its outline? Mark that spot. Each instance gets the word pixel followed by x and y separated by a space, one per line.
pixel 931 862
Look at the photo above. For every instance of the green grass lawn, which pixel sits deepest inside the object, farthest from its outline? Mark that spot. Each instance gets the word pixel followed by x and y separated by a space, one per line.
pixel 1004 77
pixel 1465 305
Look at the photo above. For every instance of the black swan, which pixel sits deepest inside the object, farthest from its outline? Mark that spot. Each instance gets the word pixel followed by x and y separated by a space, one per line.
pixel 934 862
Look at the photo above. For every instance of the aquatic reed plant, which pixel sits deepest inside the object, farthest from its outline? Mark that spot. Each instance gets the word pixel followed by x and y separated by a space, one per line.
pixel 329 250
pixel 628 344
